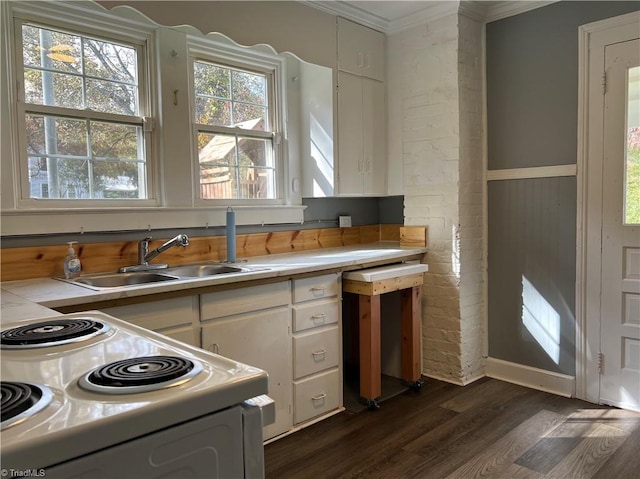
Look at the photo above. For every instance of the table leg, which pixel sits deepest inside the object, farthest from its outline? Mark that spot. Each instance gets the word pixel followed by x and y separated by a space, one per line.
pixel 410 311
pixel 370 366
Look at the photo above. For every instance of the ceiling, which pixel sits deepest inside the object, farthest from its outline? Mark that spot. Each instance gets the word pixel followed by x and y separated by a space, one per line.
pixel 390 16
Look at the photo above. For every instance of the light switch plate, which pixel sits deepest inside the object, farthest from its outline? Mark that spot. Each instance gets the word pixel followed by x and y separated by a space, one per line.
pixel 345 221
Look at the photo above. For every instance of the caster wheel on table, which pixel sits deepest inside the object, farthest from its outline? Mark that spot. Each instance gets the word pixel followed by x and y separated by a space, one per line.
pixel 372 405
pixel 416 386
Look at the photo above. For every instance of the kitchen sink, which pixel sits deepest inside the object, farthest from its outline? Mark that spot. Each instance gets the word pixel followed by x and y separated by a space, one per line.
pixel 135 278
pixel 118 280
pixel 203 270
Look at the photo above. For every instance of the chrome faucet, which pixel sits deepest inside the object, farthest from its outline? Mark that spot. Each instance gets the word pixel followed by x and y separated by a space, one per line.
pixel 144 255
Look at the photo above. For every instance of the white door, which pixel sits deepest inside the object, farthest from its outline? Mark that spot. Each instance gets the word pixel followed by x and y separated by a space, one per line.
pixel 620 262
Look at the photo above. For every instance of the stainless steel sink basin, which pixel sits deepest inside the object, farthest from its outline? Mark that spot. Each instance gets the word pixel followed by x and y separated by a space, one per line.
pixel 203 270
pixel 118 280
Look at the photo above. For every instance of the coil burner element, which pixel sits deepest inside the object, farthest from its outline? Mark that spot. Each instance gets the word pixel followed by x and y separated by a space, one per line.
pixel 51 333
pixel 135 375
pixel 21 401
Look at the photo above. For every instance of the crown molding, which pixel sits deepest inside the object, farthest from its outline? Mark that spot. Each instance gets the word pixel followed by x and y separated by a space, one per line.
pixel 342 9
pixel 500 10
pixel 481 11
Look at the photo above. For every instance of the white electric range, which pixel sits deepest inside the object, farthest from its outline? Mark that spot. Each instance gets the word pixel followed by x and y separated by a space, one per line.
pixel 89 396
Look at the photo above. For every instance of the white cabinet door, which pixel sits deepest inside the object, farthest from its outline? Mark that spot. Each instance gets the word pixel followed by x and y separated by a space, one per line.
pixel 360 50
pixel 350 148
pixel 261 340
pixel 362 145
pixel 374 140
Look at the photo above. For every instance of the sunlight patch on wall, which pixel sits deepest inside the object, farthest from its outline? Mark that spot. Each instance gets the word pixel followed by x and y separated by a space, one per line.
pixel 541 320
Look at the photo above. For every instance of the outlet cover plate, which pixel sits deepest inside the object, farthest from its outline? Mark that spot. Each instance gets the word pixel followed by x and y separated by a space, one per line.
pixel 344 221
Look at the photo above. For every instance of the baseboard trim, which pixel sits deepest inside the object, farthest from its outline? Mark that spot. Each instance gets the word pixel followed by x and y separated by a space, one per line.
pixel 540 379
pixel 456 381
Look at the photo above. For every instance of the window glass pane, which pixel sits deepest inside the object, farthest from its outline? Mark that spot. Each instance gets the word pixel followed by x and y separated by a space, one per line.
pixel 249 87
pixel 212 80
pixel 111 140
pixel 51 50
pixel 235 167
pixel 72 71
pixel 81 157
pixel 211 111
pixel 255 180
pixel 69 136
pixel 84 173
pixel 256 183
pixel 110 61
pixel 217 160
pixel 116 179
pixel 632 165
pixel 229 97
pixel 55 89
pixel 249 117
pixel 111 97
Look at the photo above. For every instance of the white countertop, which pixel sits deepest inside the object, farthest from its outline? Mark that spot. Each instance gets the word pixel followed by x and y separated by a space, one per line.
pixel 31 298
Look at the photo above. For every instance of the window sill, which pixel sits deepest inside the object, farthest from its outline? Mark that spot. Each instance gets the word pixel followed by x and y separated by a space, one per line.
pixel 20 222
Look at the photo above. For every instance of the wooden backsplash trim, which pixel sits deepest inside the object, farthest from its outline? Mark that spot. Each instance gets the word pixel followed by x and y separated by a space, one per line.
pixel 46 261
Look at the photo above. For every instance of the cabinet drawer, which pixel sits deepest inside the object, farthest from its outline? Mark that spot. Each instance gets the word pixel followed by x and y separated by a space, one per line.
pixel 244 300
pixel 156 315
pixel 316 395
pixel 316 287
pixel 314 314
pixel 315 352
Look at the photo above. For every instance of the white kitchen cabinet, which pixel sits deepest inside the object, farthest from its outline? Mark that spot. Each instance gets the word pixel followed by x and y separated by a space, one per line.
pixel 360 50
pixel 252 325
pixel 174 317
pixel 317 346
pixel 362 144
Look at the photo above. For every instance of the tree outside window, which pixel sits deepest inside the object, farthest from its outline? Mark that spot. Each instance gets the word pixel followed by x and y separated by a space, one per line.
pixel 82 118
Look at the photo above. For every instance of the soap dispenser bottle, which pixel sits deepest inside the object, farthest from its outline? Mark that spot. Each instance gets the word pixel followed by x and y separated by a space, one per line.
pixel 72 264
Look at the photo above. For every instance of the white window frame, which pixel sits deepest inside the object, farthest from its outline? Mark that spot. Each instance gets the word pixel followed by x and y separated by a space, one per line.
pixel 273 68
pixel 171 180
pixel 107 31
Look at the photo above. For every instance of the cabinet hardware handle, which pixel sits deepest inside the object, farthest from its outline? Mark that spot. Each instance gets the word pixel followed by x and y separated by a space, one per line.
pixel 367 63
pixel 318 397
pixel 214 348
pixel 360 60
pixel 321 316
pixel 317 290
pixel 322 352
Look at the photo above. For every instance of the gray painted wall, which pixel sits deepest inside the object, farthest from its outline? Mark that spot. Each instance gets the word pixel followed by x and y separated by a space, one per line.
pixel 532 90
pixel 532 226
pixel 532 83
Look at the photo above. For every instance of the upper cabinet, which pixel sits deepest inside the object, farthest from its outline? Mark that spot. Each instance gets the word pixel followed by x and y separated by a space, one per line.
pixel 360 50
pixel 362 147
pixel 361 133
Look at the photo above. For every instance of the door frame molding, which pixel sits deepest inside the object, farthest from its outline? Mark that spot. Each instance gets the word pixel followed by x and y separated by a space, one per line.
pixel 592 40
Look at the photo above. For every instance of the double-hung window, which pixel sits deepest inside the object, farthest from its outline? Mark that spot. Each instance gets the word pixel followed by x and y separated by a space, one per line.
pixel 235 128
pixel 82 105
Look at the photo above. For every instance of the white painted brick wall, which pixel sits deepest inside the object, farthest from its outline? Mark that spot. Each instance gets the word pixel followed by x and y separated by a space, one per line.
pixel 436 75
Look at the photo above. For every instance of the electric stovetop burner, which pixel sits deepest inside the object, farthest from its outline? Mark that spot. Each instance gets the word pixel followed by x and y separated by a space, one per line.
pixel 147 373
pixel 53 332
pixel 21 401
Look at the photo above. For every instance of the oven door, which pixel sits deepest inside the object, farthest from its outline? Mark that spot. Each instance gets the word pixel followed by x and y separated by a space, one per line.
pixel 209 447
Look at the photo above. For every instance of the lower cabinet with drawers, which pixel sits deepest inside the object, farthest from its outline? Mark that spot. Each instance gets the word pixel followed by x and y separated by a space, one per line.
pixel 291 329
pixel 317 351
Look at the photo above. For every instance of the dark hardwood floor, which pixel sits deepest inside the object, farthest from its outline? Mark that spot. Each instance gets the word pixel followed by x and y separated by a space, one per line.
pixel 487 429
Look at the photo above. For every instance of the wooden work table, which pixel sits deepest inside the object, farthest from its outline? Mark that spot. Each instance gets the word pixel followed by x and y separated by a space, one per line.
pixel 369 285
